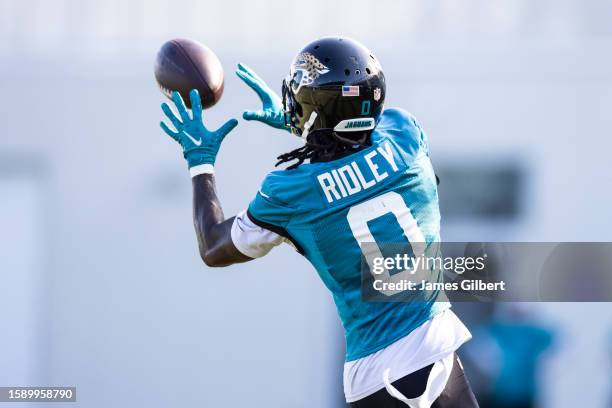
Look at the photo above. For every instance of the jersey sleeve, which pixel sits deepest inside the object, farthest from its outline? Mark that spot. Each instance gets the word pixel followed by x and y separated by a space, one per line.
pixel 269 211
pixel 268 208
pixel 251 239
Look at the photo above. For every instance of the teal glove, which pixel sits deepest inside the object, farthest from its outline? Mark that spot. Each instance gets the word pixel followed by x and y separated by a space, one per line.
pixel 272 112
pixel 200 145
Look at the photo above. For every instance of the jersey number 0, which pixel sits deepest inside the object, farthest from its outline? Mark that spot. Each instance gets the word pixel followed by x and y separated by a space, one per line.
pixel 391 202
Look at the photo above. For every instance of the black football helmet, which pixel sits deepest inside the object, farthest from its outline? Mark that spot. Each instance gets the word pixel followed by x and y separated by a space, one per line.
pixel 337 86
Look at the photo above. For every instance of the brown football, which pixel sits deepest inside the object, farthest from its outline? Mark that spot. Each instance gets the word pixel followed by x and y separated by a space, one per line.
pixel 183 65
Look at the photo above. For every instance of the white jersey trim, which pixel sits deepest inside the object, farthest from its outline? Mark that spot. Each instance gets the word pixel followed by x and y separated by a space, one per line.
pixel 251 239
pixel 429 343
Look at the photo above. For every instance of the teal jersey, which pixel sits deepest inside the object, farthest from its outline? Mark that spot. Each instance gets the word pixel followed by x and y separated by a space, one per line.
pixel 385 193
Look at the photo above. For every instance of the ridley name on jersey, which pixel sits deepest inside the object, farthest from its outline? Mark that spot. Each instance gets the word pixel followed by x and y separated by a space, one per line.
pixel 358 175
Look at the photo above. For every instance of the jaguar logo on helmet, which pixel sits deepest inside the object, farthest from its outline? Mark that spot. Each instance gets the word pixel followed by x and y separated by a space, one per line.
pixel 310 68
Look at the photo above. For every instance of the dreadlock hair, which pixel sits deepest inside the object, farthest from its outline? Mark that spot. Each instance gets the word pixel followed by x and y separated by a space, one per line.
pixel 324 145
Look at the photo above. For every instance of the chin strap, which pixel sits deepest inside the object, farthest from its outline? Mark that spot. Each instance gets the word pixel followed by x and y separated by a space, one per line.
pixel 308 125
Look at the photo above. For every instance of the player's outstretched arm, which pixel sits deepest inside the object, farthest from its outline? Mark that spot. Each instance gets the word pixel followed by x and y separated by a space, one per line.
pixel 213 231
pixel 271 112
pixel 200 148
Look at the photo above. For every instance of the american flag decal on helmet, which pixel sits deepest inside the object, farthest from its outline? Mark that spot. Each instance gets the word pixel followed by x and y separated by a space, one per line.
pixel 350 90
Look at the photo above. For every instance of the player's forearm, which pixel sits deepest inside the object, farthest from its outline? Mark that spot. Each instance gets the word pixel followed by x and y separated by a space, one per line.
pixel 207 215
pixel 212 229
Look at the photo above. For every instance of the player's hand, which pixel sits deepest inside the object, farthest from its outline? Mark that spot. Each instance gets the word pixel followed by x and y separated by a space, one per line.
pixel 200 145
pixel 272 112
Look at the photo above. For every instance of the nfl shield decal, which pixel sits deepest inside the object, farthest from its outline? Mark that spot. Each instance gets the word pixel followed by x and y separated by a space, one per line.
pixel 377 94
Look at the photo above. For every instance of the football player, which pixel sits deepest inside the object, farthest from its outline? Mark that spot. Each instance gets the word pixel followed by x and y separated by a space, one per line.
pixel 362 176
